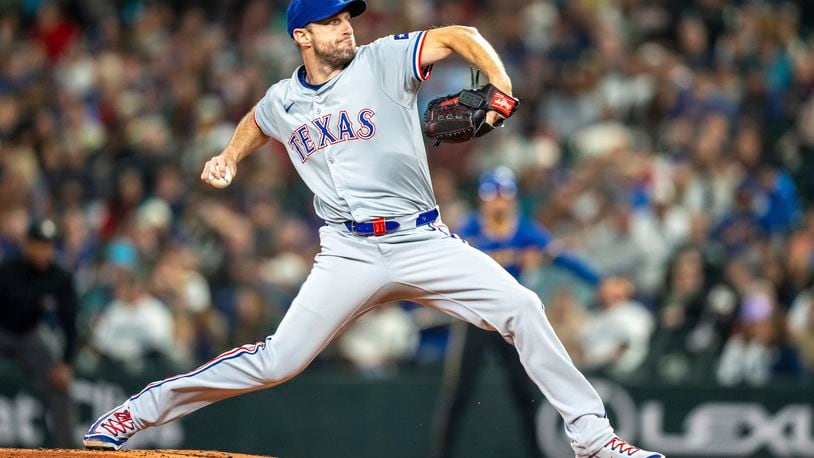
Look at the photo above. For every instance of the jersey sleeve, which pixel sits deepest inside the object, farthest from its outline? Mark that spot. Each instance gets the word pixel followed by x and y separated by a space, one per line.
pixel 396 61
pixel 263 112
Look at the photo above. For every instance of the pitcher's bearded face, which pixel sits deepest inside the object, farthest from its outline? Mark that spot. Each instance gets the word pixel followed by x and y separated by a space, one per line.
pixel 333 40
pixel 337 53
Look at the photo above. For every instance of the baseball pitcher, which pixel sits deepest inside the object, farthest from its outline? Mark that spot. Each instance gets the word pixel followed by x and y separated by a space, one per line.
pixel 349 121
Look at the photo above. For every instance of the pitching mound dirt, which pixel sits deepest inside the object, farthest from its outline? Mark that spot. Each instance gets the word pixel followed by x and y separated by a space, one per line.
pixel 52 453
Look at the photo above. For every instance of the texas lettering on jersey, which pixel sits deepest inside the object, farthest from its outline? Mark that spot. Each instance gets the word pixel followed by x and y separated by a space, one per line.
pixel 331 129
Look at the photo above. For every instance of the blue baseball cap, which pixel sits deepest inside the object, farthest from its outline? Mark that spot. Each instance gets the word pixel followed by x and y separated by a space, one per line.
pixel 500 180
pixel 302 12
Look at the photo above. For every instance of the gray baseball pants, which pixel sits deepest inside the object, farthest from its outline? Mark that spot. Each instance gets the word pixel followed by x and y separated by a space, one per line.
pixel 352 274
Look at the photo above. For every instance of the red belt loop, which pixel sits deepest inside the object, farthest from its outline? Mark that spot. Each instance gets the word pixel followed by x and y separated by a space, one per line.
pixel 379 227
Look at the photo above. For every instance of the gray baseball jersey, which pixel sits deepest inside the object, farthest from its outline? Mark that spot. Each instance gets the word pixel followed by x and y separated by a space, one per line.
pixel 356 141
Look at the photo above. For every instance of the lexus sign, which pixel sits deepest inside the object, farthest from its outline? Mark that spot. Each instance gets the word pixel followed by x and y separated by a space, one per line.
pixel 708 429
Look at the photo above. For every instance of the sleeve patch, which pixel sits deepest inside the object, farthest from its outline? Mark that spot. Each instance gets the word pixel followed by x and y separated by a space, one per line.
pixel 401 36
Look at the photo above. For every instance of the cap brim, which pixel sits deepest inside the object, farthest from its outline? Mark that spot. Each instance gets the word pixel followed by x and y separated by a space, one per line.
pixel 354 7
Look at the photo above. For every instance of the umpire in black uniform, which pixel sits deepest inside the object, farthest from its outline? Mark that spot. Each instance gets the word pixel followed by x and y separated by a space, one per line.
pixel 33 291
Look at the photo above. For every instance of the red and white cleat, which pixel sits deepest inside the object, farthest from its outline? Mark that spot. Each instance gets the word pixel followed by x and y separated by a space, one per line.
pixel 111 430
pixel 617 448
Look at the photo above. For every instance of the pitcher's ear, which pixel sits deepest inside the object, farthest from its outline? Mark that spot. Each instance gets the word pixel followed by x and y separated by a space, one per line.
pixel 302 37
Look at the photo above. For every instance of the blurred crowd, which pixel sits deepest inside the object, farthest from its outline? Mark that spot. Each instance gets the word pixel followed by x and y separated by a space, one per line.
pixel 665 142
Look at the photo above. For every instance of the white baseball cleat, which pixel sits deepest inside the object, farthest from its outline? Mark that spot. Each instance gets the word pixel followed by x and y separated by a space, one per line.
pixel 617 448
pixel 111 430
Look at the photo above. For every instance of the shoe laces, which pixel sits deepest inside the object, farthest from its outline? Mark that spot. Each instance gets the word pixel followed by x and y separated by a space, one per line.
pixel 618 445
pixel 119 423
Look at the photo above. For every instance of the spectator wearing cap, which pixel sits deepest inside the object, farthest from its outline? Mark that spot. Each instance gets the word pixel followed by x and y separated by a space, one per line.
pixel 35 291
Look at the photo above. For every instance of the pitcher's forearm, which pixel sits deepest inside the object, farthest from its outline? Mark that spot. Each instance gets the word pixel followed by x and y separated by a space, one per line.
pixel 247 138
pixel 469 44
pixel 480 53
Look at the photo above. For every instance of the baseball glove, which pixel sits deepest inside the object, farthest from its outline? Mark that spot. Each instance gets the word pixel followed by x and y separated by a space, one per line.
pixel 460 117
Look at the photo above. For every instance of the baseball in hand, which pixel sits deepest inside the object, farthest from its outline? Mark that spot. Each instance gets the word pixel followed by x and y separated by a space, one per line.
pixel 221 182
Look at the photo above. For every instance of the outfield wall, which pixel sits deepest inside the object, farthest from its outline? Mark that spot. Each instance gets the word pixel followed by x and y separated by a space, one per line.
pixel 325 413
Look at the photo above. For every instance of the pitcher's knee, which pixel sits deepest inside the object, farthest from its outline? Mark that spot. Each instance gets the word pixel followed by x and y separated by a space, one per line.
pixel 281 367
pixel 523 299
pixel 281 372
pixel 522 306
